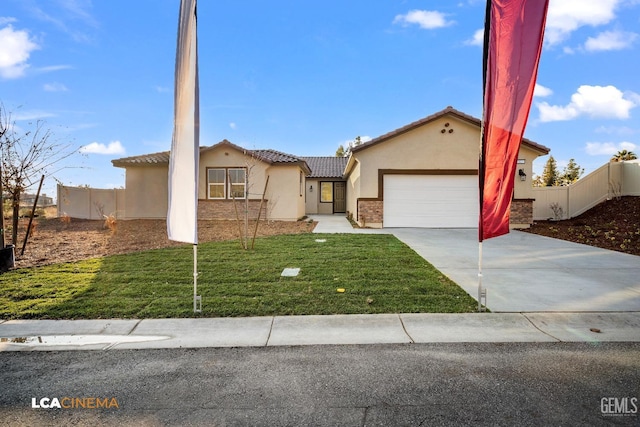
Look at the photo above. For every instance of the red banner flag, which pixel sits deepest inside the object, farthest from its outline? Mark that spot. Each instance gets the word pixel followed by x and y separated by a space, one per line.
pixel 513 43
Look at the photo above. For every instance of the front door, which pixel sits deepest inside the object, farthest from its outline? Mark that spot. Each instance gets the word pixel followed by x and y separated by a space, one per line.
pixel 339 197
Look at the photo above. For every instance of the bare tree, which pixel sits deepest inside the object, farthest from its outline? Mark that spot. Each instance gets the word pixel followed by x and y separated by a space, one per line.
pixel 25 156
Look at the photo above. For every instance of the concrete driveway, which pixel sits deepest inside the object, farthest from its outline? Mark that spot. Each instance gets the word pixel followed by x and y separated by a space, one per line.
pixel 525 272
pixel 522 272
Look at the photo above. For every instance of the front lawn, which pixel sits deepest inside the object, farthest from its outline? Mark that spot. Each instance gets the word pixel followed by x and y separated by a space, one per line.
pixel 379 274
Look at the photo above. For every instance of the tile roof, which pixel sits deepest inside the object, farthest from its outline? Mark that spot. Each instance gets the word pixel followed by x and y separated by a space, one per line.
pixel 432 117
pixel 273 156
pixel 326 167
pixel 268 156
pixel 145 159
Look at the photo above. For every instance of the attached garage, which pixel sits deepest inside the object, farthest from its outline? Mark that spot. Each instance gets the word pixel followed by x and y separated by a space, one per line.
pixel 430 201
pixel 425 174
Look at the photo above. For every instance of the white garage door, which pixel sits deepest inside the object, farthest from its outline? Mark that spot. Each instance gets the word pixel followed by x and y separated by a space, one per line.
pixel 431 201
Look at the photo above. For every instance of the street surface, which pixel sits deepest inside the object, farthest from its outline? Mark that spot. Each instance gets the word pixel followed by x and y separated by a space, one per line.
pixel 510 384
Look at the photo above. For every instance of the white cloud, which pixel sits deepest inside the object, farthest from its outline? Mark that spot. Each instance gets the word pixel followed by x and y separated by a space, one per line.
pixel 541 91
pixel 52 68
pixel 32 115
pixel 426 19
pixel 114 147
pixel 15 48
pixel 608 148
pixel 55 87
pixel 566 16
pixel 233 126
pixel 610 40
pixel 592 101
pixel 616 130
pixel 6 20
pixel 477 39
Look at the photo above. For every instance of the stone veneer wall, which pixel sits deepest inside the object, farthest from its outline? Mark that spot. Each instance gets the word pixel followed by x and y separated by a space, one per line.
pixel 370 212
pixel 521 211
pixel 224 209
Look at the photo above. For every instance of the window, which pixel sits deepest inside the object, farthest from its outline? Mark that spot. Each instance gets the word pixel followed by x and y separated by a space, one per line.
pixel 216 182
pixel 326 192
pixel 237 183
pixel 217 179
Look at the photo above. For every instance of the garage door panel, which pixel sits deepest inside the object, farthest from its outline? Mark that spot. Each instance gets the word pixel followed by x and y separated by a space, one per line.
pixel 437 201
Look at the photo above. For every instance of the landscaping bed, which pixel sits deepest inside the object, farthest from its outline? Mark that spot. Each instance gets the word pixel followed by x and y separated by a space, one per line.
pixel 613 224
pixel 56 240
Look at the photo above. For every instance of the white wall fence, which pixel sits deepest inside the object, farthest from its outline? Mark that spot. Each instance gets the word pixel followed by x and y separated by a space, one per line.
pixel 611 180
pixel 90 203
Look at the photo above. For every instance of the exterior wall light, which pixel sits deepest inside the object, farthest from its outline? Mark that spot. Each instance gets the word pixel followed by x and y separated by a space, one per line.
pixel 523 176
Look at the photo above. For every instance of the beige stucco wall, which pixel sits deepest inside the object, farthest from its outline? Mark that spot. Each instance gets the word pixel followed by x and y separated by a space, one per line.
pixel 353 188
pixel 524 189
pixel 285 194
pixel 146 192
pixel 147 186
pixel 312 196
pixel 229 157
pixel 427 148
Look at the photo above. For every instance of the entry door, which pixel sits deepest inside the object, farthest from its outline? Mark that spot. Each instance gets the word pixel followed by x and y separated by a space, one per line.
pixel 339 197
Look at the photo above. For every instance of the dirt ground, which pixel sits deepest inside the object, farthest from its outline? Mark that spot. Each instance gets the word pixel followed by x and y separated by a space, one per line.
pixel 613 224
pixel 55 240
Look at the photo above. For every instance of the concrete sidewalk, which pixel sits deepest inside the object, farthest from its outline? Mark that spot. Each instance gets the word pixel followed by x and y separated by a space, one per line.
pixel 28 335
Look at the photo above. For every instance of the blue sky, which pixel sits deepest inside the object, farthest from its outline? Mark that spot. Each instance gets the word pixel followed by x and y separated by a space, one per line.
pixel 304 77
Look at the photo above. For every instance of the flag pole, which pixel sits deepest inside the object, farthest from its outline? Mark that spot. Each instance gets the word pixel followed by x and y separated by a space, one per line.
pixel 184 161
pixel 197 299
pixel 481 165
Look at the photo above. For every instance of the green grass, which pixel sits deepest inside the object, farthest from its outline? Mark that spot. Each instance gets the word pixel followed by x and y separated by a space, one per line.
pixel 379 273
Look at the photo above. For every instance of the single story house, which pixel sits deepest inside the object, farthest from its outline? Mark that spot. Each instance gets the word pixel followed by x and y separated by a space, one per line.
pixel 424 174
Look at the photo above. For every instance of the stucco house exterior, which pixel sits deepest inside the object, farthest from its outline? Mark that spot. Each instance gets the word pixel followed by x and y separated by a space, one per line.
pixel 226 172
pixel 424 174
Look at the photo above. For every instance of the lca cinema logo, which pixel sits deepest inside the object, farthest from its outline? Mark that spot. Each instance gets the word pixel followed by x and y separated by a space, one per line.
pixel 75 403
pixel 619 406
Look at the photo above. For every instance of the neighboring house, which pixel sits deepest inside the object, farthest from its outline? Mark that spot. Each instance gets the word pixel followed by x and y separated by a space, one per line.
pixel 424 174
pixel 26 200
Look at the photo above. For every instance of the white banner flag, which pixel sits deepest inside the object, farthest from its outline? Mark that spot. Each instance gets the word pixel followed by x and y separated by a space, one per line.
pixel 182 216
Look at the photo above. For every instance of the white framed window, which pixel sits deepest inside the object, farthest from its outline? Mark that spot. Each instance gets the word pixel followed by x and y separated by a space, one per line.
pixel 237 183
pixel 216 183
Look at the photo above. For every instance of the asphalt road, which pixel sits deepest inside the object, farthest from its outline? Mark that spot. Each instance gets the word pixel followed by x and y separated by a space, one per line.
pixel 370 385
